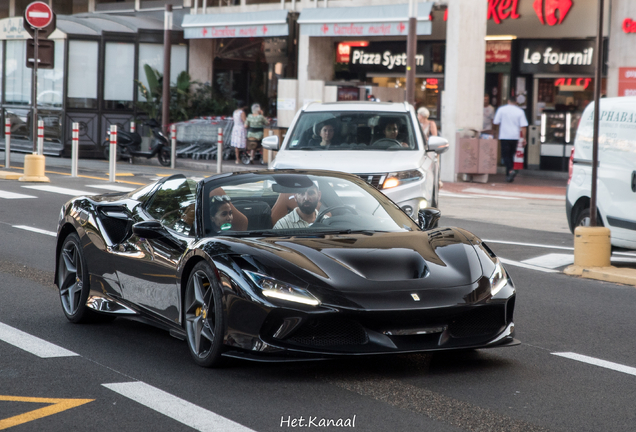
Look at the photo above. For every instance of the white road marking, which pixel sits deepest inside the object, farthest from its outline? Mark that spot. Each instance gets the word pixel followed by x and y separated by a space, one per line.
pixel 552 261
pixel 112 188
pixel 527 266
pixel 456 195
pixel 36 230
pixel 60 190
pixel 178 409
pixel 528 244
pixel 32 344
pixel 13 195
pixel 598 362
pixel 516 194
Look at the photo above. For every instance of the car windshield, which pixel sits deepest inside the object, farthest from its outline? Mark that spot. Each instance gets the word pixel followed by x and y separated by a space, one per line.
pixel 360 131
pixel 292 204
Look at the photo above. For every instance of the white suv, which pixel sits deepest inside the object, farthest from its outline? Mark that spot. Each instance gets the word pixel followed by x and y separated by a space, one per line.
pixel 380 142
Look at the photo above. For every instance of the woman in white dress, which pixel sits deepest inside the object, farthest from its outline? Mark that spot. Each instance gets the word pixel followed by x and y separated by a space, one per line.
pixel 238 131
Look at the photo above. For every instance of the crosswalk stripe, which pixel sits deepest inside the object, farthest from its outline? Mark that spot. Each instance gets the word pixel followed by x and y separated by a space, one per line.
pixel 527 266
pixel 13 195
pixel 36 230
pixel 516 194
pixel 32 344
pixel 176 408
pixel 60 190
pixel 551 260
pixel 113 188
pixel 456 195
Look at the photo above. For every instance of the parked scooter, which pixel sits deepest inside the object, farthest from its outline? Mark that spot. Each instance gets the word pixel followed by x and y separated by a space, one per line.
pixel 129 145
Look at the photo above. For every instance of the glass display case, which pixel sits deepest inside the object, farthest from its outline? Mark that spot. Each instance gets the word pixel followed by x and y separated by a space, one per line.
pixel 558 129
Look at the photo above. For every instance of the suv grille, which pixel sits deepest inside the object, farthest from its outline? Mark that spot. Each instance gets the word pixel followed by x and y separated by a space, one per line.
pixel 375 180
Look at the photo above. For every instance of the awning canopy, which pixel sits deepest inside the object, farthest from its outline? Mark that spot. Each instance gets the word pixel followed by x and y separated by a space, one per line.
pixel 271 23
pixel 388 20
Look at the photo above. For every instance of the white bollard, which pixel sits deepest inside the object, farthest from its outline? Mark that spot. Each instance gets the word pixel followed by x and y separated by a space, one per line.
pixel 173 146
pixel 7 143
pixel 219 152
pixel 74 149
pixel 133 127
pixel 113 153
pixel 40 137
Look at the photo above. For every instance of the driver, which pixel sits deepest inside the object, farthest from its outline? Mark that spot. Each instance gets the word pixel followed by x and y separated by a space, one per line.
pixel 303 215
pixel 391 131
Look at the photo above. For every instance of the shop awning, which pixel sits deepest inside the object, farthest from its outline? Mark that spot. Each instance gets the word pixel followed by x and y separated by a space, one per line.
pixel 271 23
pixel 389 20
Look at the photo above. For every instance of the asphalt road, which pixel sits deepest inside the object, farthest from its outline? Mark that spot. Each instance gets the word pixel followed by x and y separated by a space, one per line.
pixel 574 370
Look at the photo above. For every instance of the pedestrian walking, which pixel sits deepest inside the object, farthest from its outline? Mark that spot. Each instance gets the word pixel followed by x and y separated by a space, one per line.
pixel 512 124
pixel 238 131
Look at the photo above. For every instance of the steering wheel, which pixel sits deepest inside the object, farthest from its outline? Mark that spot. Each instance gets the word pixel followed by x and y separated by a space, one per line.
pixel 322 214
pixel 392 142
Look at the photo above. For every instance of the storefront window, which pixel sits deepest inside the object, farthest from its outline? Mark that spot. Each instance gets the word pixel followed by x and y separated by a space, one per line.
pixel 82 74
pixel 17 75
pixel 119 83
pixel 427 92
pixel 152 55
pixel 51 81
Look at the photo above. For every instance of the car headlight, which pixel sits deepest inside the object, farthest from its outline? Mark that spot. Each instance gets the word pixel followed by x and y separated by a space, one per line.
pixel 399 178
pixel 498 279
pixel 276 289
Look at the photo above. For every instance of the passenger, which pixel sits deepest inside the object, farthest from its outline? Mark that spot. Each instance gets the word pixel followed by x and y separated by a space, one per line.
pixel 326 135
pixel 221 213
pixel 303 215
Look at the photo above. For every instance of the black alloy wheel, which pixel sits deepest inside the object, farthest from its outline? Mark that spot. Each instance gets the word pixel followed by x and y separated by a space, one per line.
pixel 73 281
pixel 164 156
pixel 203 316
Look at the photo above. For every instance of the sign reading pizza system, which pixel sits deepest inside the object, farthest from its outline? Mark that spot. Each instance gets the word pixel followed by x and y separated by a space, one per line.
pixel 38 15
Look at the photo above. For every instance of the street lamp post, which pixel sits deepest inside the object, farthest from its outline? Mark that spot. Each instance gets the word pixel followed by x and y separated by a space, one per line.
pixel 165 98
pixel 598 74
pixel 411 49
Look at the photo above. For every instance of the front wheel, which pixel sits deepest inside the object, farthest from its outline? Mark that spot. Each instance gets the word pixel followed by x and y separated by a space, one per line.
pixel 583 218
pixel 73 281
pixel 203 316
pixel 164 157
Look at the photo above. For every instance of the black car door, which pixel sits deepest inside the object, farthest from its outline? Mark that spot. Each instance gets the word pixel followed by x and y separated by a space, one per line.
pixel 149 277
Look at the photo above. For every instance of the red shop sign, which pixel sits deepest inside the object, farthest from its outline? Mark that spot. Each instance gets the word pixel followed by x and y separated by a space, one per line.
pixel 629 25
pixel 498 52
pixel 343 50
pixel 500 10
pixel 627 81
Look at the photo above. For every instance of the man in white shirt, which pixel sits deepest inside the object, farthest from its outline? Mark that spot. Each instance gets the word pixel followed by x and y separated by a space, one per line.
pixel 512 124
pixel 303 215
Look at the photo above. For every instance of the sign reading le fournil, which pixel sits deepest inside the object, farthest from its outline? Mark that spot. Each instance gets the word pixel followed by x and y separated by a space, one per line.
pixel 566 56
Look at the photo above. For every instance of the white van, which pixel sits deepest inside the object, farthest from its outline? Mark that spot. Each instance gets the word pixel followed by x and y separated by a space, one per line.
pixel 380 142
pixel 616 186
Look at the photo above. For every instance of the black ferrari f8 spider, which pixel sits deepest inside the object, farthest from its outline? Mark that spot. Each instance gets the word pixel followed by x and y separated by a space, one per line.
pixel 281 265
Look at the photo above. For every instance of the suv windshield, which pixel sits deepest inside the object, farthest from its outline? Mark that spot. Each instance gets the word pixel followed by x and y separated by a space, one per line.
pixel 353 131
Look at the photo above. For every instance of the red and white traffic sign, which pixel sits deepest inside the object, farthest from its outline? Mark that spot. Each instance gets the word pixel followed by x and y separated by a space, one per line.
pixel 38 14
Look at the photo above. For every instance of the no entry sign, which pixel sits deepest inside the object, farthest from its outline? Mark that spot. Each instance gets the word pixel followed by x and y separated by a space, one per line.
pixel 38 14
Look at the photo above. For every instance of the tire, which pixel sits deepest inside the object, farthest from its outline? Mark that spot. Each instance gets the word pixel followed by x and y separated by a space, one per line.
pixel 73 281
pixel 164 157
pixel 583 218
pixel 245 157
pixel 204 318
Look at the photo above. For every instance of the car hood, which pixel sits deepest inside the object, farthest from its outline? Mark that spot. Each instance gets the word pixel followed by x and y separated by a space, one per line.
pixel 353 162
pixel 361 263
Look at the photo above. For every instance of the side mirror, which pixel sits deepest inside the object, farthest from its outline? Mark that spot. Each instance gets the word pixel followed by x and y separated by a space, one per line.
pixel 427 218
pixel 437 144
pixel 149 229
pixel 270 142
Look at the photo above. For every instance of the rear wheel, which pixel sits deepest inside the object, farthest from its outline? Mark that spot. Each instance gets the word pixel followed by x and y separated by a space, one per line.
pixel 73 281
pixel 245 157
pixel 164 156
pixel 203 316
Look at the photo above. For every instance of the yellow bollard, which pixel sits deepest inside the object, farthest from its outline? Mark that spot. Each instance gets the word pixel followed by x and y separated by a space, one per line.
pixel 34 169
pixel 592 247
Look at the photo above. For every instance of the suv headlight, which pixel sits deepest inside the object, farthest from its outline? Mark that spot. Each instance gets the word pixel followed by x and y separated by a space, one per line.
pixel 399 178
pixel 276 289
pixel 498 279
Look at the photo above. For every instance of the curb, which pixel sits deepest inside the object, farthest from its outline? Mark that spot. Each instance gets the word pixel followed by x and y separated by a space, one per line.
pixel 7 175
pixel 625 276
